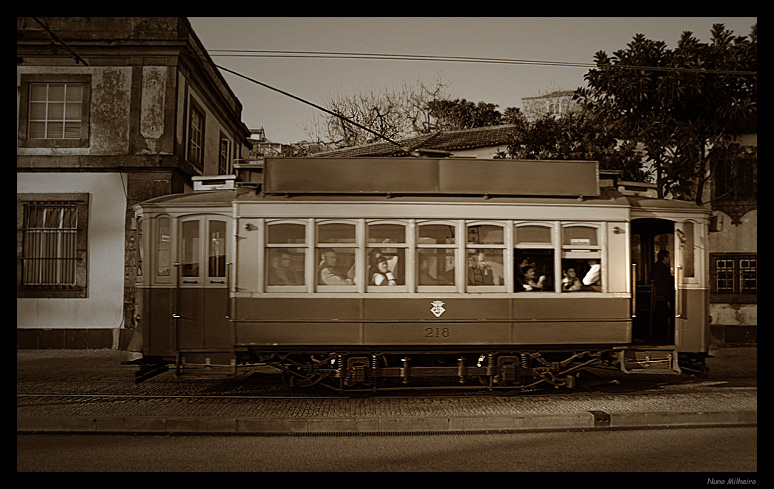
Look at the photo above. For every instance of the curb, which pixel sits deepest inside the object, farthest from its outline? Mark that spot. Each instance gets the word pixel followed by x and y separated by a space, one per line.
pixel 382 425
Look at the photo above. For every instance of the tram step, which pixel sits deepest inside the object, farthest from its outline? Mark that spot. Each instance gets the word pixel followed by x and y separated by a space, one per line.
pixel 649 361
pixel 206 364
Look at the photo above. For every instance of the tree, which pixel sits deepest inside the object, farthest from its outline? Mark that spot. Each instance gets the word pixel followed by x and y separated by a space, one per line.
pixel 395 114
pixel 575 136
pixel 415 109
pixel 678 105
pixel 462 114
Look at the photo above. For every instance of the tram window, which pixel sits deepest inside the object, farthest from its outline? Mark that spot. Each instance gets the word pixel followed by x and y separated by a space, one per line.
pixel 436 254
pixel 580 236
pixel 533 270
pixel 485 255
pixel 485 234
pixel 579 274
pixel 336 261
pixel 485 266
pixel 436 266
pixel 386 254
pixel 386 233
pixel 286 234
pixel 533 234
pixel 286 266
pixel 436 234
pixel 533 259
pixel 217 249
pixel 581 264
pixel 336 266
pixel 286 260
pixel 336 233
pixel 162 249
pixel 386 266
pixel 688 251
pixel 190 250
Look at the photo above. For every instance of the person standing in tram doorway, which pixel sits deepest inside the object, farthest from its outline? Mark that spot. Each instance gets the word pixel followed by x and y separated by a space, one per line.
pixel 664 290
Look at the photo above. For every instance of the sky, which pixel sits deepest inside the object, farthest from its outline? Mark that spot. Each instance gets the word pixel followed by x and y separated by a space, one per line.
pixel 559 40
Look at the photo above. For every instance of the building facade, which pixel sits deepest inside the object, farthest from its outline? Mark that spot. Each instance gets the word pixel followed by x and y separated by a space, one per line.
pixel 111 111
pixel 734 246
pixel 556 104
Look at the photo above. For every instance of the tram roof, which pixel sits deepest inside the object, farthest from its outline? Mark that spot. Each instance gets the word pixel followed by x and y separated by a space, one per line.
pixel 425 180
pixel 431 176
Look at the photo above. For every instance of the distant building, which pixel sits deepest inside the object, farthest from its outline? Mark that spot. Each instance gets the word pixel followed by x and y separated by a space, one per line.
pixel 556 103
pixel 262 146
pixel 111 111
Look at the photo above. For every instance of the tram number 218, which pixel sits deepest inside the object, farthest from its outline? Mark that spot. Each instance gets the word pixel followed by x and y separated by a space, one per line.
pixel 437 332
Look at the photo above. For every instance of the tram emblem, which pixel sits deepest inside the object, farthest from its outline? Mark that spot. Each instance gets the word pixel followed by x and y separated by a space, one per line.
pixel 437 308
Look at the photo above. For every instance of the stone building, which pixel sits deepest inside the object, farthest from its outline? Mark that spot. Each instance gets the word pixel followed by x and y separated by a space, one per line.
pixel 111 111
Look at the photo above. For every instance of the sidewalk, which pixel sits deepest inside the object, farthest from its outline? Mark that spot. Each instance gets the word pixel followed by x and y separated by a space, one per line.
pixel 97 384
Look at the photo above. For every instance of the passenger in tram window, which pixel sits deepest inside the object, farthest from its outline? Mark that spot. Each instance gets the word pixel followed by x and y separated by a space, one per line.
pixel 529 280
pixel 382 274
pixel 331 274
pixel 518 274
pixel 591 279
pixel 281 272
pixel 570 281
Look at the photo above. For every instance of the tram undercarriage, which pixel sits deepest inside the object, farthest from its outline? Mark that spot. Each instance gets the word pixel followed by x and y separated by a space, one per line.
pixel 380 371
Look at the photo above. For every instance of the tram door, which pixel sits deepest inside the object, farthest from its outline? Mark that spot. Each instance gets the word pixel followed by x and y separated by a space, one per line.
pixel 202 286
pixel 653 318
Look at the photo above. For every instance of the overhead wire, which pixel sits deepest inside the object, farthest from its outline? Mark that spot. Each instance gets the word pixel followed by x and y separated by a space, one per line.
pixel 319 107
pixel 458 59
pixel 413 57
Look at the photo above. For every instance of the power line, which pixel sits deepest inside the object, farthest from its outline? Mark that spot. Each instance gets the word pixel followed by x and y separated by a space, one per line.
pixel 457 59
pixel 381 56
pixel 56 38
pixel 312 104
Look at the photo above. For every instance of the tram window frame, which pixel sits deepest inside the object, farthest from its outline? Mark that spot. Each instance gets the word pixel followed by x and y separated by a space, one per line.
pixel 216 262
pixel 397 254
pixel 445 253
pixel 354 274
pixel 476 244
pixel 163 257
pixel 580 252
pixel 296 247
pixel 201 246
pixel 190 250
pixel 531 249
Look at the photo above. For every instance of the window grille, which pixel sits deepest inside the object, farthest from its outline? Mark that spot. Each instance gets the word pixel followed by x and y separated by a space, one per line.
pixel 50 244
pixel 735 274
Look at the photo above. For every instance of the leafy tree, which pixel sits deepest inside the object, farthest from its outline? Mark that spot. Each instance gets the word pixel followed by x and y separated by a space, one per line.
pixel 462 114
pixel 677 105
pixel 575 136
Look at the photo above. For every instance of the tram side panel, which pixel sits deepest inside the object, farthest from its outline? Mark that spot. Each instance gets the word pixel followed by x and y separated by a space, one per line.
pixel 274 322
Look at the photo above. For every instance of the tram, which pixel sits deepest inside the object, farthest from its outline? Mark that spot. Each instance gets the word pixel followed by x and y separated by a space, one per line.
pixel 395 273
